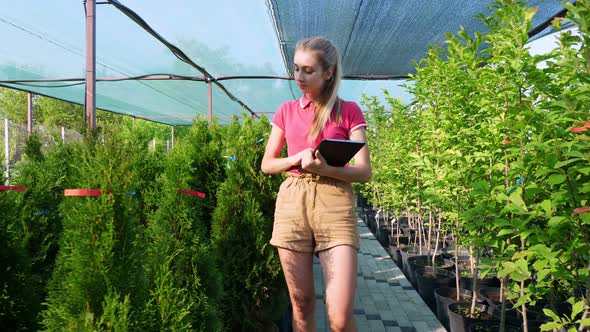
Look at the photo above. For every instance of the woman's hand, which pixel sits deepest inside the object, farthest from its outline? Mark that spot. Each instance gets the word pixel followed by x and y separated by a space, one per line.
pixel 313 163
pixel 295 160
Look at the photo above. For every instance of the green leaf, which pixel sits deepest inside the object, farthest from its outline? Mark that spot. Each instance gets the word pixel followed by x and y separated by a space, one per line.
pixel 555 221
pixel 565 162
pixel 577 308
pixel 525 234
pixel 519 276
pixel 551 314
pixel 542 274
pixel 550 326
pixel 556 179
pixel 516 199
pixel 546 205
pixel 505 231
pixel 540 264
pixel 522 265
pixel 584 170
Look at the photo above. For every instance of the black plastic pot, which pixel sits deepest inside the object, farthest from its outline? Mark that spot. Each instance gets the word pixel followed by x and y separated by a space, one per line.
pixel 512 316
pixel 463 262
pixel 395 254
pixel 488 281
pixel 449 252
pixel 491 295
pixel 403 240
pixel 428 279
pixel 406 252
pixel 460 323
pixel 445 296
pixel 411 251
pixel 418 262
pixel 382 236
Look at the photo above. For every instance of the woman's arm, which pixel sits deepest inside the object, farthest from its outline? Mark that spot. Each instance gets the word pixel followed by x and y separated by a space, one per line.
pixel 359 172
pixel 271 163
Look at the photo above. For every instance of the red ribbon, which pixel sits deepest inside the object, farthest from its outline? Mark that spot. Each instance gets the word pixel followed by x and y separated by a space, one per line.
pixel 581 210
pixel 82 192
pixel 12 188
pixel 191 192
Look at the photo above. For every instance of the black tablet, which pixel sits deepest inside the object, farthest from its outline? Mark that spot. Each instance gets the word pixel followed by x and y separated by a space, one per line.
pixel 338 152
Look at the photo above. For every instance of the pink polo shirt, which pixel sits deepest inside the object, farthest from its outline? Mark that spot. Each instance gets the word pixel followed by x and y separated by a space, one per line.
pixel 295 119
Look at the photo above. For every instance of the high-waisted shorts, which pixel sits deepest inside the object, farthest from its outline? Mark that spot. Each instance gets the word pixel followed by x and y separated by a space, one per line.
pixel 314 213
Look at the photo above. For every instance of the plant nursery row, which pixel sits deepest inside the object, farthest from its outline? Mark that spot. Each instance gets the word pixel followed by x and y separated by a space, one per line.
pixel 485 177
pixel 109 235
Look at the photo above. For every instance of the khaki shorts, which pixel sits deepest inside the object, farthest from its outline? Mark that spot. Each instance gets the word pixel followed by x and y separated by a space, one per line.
pixel 314 213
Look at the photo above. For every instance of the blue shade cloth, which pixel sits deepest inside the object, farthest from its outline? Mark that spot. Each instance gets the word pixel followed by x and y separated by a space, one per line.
pixel 383 37
pixel 46 40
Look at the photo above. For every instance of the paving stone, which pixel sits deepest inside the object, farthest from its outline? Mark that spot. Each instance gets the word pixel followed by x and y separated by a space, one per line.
pixel 421 327
pixel 381 304
pixel 408 329
pixel 387 315
pixel 376 326
pixel 385 301
pixel 393 329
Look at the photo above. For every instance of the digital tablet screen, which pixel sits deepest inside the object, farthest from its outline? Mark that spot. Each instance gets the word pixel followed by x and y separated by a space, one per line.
pixel 339 152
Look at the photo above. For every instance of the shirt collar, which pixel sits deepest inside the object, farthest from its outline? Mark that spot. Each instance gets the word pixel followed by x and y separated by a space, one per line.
pixel 304 102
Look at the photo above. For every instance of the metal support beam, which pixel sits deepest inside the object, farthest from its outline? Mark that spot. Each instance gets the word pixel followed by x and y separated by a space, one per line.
pixel 90 101
pixel 210 102
pixel 172 136
pixel 29 114
pixel 7 151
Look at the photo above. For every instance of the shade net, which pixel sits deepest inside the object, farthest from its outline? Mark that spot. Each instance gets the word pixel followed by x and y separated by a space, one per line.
pixel 384 37
pixel 46 40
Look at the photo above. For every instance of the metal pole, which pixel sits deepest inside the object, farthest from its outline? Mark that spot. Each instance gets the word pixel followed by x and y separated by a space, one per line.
pixel 90 63
pixel 7 151
pixel 172 136
pixel 63 134
pixel 210 102
pixel 29 114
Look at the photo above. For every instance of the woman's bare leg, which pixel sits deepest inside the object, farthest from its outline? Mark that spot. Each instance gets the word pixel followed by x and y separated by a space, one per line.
pixel 339 265
pixel 298 269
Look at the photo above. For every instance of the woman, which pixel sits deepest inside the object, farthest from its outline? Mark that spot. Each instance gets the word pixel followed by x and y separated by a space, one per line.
pixel 314 210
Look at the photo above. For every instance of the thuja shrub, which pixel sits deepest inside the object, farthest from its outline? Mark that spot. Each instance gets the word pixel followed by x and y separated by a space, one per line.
pixel 184 282
pixel 255 291
pixel 97 283
pixel 44 175
pixel 17 287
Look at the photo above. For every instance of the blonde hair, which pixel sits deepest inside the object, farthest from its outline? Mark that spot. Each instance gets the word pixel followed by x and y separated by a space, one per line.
pixel 329 57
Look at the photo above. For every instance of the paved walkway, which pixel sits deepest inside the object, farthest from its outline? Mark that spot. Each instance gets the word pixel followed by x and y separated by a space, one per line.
pixel 385 300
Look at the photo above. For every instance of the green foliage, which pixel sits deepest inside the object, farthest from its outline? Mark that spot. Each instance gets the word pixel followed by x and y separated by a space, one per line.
pixel 18 302
pixel 187 288
pixel 255 291
pixel 13 105
pixel 101 244
pixel 57 113
pixel 497 140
